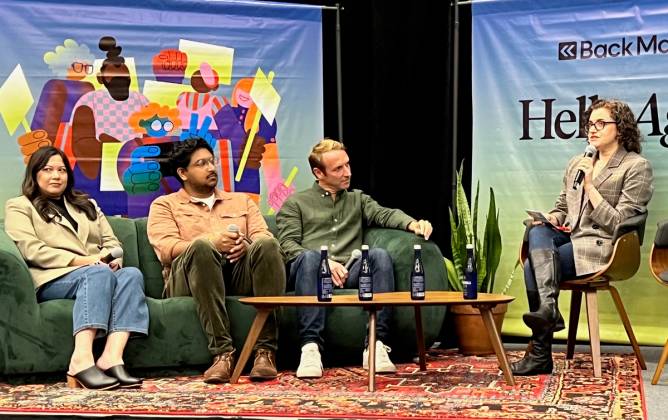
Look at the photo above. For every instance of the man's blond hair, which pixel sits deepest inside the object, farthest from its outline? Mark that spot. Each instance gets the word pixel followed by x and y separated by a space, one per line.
pixel 323 146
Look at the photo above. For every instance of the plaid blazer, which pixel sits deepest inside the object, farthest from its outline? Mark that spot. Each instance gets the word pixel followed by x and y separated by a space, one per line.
pixel 626 186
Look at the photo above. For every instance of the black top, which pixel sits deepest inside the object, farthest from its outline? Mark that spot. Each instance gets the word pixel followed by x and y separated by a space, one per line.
pixel 60 205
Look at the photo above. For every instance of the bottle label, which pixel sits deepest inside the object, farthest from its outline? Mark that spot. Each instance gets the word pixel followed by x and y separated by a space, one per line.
pixel 417 286
pixel 365 287
pixel 326 292
pixel 470 284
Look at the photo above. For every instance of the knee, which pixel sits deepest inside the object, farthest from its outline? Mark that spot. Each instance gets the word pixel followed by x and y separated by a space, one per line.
pixel 268 243
pixel 101 277
pixel 201 246
pixel 132 277
pixel 308 259
pixel 304 270
pixel 380 256
pixel 538 235
pixel 269 246
pixel 381 260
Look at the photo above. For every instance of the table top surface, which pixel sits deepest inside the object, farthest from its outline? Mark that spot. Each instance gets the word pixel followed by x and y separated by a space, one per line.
pixel 380 299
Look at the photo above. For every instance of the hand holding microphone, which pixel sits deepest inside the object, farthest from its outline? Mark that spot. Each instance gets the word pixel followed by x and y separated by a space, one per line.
pixel 235 229
pixel 590 151
pixel 116 252
pixel 340 271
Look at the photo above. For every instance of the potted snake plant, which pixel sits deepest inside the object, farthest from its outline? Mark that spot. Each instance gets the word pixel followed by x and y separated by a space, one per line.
pixel 471 332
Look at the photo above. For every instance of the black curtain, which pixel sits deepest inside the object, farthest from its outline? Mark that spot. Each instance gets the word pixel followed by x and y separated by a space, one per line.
pixel 397 102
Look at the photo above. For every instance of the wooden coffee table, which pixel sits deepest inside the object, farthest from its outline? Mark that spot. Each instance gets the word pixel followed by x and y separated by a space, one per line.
pixel 485 302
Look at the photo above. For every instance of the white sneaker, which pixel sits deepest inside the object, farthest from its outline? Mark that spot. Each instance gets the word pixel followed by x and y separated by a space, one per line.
pixel 383 362
pixel 310 363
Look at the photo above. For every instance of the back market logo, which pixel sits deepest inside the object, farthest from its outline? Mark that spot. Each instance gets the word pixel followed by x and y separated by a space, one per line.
pixel 626 47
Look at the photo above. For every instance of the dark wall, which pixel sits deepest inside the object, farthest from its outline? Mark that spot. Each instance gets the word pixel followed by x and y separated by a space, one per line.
pixel 397 101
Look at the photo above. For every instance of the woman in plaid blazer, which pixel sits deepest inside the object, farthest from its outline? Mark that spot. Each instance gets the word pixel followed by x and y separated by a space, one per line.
pixel 598 193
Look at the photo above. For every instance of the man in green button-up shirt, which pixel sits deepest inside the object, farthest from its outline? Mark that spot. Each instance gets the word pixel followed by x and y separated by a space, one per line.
pixel 329 214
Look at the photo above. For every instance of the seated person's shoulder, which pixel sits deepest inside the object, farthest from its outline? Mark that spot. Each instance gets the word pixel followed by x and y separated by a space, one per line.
pixel 18 202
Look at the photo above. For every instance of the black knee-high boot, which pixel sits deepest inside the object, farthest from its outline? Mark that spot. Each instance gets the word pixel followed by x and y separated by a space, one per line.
pixel 534 303
pixel 538 359
pixel 545 263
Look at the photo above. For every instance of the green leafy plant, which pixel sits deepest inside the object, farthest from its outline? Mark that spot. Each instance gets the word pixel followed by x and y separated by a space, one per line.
pixel 464 228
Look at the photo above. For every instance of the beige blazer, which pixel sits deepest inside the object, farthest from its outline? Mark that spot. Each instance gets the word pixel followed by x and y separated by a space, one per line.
pixel 626 186
pixel 48 248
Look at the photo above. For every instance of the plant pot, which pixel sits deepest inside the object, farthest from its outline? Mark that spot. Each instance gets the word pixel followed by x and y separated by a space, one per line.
pixel 471 332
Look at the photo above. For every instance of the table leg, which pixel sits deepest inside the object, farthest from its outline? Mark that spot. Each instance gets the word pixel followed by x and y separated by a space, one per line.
pixel 253 334
pixel 420 338
pixel 372 348
pixel 488 319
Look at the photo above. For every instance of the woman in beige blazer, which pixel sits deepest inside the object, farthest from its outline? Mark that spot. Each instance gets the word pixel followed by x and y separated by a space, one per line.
pixel 66 242
pixel 598 193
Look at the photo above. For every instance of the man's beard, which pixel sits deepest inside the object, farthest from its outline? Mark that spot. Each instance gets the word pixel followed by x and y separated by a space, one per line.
pixel 119 87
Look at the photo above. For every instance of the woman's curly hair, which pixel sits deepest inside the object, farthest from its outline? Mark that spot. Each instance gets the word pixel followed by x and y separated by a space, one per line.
pixel 628 133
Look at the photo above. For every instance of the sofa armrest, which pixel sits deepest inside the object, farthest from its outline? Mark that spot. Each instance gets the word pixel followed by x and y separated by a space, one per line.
pixel 399 244
pixel 19 311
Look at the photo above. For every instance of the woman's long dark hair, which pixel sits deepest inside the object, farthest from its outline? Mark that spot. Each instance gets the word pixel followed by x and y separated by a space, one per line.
pixel 46 209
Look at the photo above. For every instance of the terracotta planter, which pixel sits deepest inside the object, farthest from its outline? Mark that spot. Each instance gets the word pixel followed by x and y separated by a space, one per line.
pixel 471 332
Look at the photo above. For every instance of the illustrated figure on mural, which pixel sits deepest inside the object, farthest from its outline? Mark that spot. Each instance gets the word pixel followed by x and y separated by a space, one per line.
pixel 118 141
pixel 72 62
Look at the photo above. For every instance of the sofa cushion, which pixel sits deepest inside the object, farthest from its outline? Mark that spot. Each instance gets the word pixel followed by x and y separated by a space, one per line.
pixel 149 263
pixel 125 231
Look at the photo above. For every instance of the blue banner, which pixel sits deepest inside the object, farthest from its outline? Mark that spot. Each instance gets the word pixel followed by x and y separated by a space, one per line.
pixel 116 84
pixel 537 66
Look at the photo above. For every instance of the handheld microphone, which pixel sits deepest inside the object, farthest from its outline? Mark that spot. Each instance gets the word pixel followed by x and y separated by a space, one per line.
pixel 116 252
pixel 354 256
pixel 235 229
pixel 579 176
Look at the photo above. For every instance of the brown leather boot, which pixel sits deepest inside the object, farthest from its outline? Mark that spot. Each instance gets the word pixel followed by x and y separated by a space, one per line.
pixel 221 368
pixel 264 366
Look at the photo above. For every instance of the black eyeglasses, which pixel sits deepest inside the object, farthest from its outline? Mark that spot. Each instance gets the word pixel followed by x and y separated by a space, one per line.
pixel 599 125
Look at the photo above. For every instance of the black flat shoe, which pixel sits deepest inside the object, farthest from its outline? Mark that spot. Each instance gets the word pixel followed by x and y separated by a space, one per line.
pixel 124 378
pixel 91 378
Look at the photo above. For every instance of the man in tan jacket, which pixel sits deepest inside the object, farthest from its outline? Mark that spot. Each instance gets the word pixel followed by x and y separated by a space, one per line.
pixel 212 243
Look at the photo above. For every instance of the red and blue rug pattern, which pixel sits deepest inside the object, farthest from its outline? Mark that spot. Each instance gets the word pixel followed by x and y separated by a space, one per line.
pixel 453 386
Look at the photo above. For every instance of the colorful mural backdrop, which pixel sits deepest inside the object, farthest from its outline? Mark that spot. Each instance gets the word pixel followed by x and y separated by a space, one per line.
pixel 116 84
pixel 537 65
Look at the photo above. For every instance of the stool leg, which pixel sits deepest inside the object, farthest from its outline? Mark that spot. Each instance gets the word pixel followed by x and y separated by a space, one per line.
pixel 594 337
pixel 659 366
pixel 627 326
pixel 573 320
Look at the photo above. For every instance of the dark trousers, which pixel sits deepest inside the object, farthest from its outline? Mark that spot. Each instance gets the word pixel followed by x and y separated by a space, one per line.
pixel 203 273
pixel 304 275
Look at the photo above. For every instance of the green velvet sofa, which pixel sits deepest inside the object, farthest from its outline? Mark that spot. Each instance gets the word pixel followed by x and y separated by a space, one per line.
pixel 37 337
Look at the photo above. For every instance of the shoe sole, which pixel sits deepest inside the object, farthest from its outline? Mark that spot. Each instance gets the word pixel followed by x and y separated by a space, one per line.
pixel 216 381
pixel 74 383
pixel 260 378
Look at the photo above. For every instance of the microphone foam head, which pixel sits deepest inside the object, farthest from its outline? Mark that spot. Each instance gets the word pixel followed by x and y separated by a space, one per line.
pixel 356 254
pixel 116 252
pixel 590 150
pixel 232 228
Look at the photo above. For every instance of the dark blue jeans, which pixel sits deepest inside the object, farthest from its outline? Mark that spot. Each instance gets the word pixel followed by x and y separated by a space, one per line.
pixel 544 237
pixel 304 275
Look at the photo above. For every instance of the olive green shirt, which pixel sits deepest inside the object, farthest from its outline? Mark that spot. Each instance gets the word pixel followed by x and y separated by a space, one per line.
pixel 310 219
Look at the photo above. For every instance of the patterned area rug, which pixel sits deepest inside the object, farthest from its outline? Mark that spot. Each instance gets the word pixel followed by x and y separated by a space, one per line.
pixel 453 386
